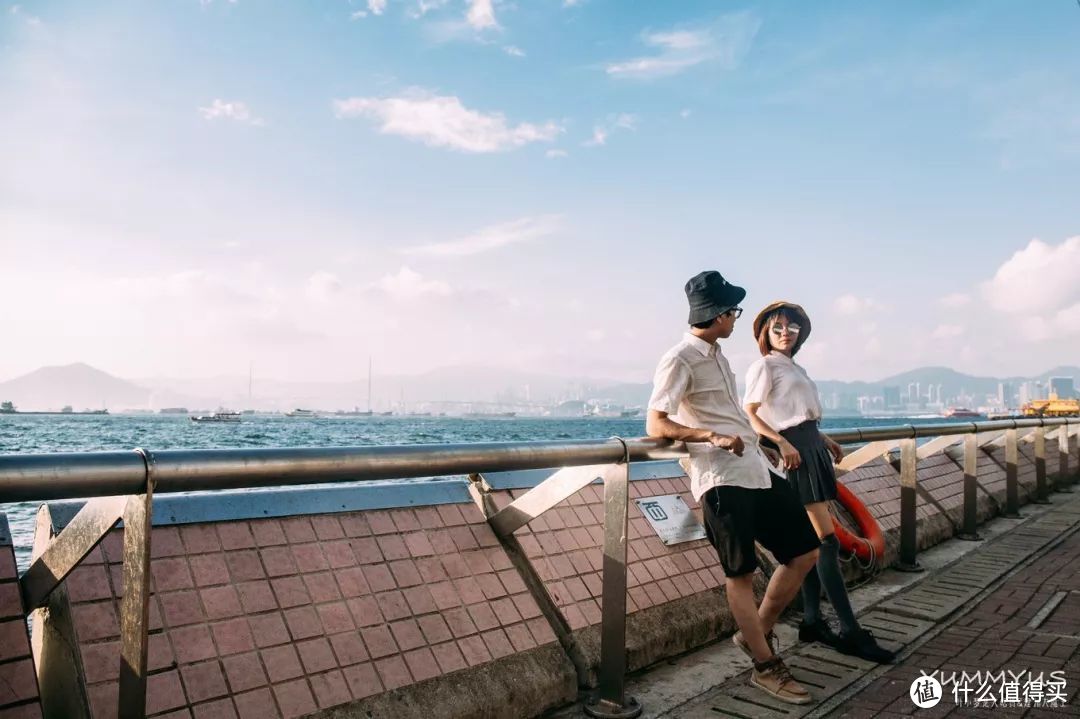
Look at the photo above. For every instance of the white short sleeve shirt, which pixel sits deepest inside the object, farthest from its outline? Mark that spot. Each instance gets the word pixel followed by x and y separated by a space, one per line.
pixel 785 392
pixel 694 384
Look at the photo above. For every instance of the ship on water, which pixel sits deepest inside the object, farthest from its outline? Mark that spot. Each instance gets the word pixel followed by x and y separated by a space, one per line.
pixel 221 416
pixel 303 414
pixel 961 413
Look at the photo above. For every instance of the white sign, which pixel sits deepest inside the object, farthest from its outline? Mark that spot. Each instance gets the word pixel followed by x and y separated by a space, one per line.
pixel 671 519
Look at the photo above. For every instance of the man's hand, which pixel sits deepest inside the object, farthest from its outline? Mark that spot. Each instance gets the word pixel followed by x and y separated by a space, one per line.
pixel 732 443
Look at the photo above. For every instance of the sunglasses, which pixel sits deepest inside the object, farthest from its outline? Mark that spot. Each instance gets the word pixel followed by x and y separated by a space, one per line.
pixel 778 330
pixel 734 311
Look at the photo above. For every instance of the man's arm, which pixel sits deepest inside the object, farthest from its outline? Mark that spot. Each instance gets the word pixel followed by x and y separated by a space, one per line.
pixel 659 424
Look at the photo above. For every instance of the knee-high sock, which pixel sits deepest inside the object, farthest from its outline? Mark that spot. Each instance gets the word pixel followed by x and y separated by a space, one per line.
pixel 828 570
pixel 811 596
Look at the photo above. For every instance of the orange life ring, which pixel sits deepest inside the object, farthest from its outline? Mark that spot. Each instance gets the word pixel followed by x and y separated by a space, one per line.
pixel 871 546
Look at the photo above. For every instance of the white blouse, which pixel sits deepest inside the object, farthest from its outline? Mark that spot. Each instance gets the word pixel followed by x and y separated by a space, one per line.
pixel 785 392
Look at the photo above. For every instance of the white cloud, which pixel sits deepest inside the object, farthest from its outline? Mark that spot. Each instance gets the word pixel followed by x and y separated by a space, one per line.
pixel 323 286
pixel 410 285
pixel 513 51
pixel 230 110
pixel 358 15
pixel 555 154
pixel 850 304
pixel 442 121
pixel 725 41
pixel 525 229
pixel 481 15
pixel 572 3
pixel 955 300
pixel 1039 279
pixel 30 19
pixel 377 7
pixel 685 113
pixel 603 130
pixel 423 7
pixel 596 335
pixel 944 332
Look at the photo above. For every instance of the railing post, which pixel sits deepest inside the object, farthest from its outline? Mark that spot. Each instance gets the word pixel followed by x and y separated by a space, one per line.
pixel 1012 492
pixel 135 604
pixel 908 481
pixel 1042 494
pixel 611 701
pixel 1064 479
pixel 970 530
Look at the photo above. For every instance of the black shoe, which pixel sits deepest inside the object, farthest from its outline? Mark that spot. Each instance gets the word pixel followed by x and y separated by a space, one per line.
pixel 861 643
pixel 820 632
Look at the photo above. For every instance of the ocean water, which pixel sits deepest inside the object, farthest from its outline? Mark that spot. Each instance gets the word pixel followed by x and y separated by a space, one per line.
pixel 89 433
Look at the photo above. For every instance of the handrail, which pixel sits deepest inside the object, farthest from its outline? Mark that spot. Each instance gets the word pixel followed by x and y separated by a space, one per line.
pixel 27 477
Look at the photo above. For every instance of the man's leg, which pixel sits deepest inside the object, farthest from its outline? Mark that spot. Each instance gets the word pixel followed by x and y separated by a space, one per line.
pixel 740 596
pixel 784 585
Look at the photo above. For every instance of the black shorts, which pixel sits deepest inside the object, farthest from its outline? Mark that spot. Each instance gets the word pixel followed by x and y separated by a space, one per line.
pixel 736 517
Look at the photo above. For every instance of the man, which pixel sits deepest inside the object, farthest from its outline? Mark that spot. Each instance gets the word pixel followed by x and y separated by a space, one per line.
pixel 743 499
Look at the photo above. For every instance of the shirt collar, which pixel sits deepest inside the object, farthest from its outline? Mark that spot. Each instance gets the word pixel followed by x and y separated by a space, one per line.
pixel 781 356
pixel 700 345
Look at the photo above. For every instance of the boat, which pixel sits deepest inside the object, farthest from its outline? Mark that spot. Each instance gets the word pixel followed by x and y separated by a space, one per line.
pixel 219 416
pixel 490 415
pixel 303 413
pixel 356 412
pixel 958 412
pixel 632 412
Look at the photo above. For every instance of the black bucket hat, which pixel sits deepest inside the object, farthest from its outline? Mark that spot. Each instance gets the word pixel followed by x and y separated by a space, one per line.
pixel 710 296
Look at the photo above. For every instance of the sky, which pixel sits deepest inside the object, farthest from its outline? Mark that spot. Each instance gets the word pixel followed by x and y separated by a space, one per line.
pixel 189 187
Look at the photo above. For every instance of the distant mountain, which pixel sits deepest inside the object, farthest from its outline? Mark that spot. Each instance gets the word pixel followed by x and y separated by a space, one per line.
pixel 84 387
pixel 952 383
pixel 78 385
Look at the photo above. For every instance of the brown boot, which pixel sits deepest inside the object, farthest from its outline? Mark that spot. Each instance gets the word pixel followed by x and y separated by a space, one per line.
pixel 774 678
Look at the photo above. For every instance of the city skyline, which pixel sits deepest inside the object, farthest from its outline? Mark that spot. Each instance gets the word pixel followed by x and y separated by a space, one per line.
pixel 192 186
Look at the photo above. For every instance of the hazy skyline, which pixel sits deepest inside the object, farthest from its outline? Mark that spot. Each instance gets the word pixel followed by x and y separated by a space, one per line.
pixel 187 187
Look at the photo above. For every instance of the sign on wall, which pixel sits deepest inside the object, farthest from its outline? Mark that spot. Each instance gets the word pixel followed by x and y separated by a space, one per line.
pixel 671 519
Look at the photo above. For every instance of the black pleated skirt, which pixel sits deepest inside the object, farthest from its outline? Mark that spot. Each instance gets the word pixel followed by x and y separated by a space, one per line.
pixel 815 478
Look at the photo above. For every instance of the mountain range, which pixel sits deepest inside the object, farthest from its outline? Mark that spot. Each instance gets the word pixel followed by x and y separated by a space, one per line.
pixel 85 387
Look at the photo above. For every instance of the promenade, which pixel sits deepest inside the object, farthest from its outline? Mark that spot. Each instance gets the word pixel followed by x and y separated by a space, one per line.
pixel 1010 602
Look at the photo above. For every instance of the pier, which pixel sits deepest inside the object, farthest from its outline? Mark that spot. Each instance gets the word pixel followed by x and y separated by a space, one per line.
pixel 525 580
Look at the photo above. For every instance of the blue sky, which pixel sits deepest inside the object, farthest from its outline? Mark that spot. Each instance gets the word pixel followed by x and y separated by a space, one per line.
pixel 190 186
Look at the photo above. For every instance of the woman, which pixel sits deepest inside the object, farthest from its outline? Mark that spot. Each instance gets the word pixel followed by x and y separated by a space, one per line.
pixel 784 408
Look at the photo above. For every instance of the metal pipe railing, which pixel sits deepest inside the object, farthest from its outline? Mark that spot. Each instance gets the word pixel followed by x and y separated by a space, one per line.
pixel 141 474
pixel 26 477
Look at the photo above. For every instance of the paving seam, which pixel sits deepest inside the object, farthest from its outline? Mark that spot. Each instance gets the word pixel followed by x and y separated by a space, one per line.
pixel 1030 531
pixel 834 702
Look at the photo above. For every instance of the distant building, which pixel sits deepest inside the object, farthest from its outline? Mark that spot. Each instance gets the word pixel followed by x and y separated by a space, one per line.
pixel 1062 387
pixel 1005 394
pixel 890 397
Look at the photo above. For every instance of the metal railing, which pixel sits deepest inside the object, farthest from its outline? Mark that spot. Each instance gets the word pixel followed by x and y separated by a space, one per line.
pixel 137 476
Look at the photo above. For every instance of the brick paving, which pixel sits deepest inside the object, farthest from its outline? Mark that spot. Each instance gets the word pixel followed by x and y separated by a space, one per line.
pixel 994 636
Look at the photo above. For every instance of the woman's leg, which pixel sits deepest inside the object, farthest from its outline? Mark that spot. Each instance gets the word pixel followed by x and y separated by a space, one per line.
pixel 828 572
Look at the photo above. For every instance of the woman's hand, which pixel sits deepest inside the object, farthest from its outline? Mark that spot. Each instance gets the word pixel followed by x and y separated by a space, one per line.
pixel 790 455
pixel 835 450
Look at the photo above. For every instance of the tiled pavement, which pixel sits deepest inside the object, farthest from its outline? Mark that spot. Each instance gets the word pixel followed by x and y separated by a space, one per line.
pixel 1013 604
pixel 1010 629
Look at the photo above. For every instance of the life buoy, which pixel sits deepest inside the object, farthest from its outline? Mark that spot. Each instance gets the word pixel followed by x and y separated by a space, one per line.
pixel 871 546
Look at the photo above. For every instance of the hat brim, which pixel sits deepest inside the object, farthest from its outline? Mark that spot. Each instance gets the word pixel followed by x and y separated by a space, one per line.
pixel 804 318
pixel 710 312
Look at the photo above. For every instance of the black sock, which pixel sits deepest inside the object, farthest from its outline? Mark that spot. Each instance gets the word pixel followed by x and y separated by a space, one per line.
pixel 828 570
pixel 811 597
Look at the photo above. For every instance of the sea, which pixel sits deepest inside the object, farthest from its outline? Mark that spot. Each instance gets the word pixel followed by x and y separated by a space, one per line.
pixel 21 434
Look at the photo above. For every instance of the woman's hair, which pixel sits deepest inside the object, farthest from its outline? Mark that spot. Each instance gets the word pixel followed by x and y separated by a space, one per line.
pixel 763 335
